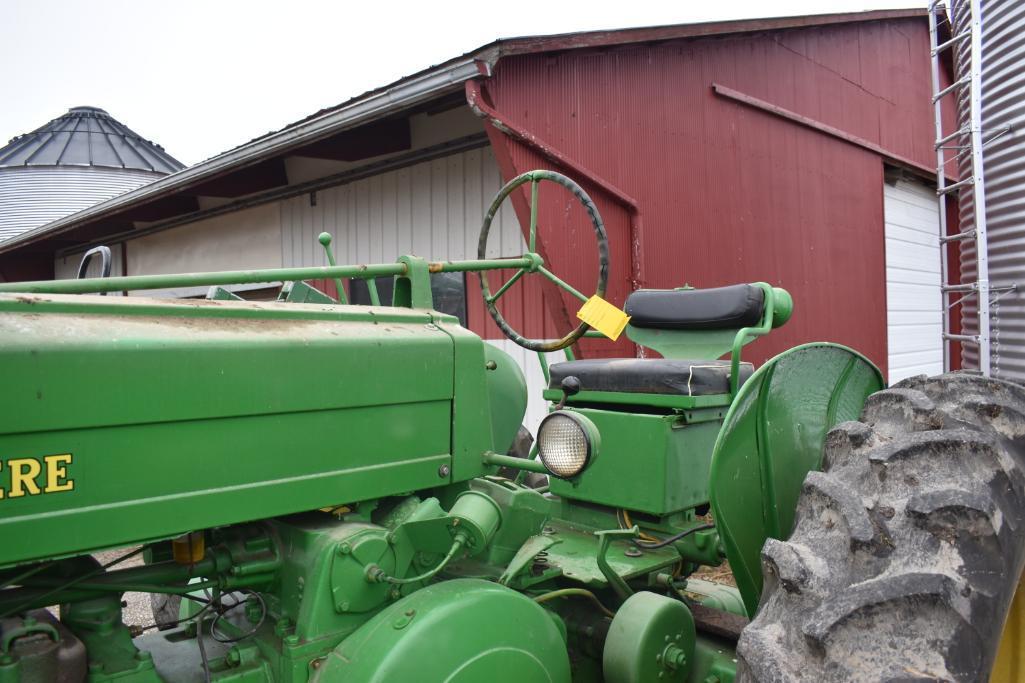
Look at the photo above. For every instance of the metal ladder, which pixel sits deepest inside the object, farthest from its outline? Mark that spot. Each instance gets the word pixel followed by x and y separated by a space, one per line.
pixel 967 140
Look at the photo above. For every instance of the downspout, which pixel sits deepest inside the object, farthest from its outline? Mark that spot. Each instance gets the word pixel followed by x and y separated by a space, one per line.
pixel 480 107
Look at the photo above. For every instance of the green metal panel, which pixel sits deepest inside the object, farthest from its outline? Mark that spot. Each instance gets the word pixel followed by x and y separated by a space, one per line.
pixel 507 396
pixel 218 412
pixel 651 463
pixel 771 438
pixel 462 631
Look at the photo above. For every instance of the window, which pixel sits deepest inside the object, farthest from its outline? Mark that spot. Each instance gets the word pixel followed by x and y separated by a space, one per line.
pixel 448 290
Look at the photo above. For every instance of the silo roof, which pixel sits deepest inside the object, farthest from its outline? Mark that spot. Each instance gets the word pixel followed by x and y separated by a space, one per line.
pixel 87 136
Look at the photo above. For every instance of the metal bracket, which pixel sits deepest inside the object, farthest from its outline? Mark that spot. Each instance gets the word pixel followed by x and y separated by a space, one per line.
pixel 605 539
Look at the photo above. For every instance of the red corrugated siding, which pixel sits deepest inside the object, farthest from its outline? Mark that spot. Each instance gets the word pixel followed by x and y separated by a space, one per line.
pixel 728 193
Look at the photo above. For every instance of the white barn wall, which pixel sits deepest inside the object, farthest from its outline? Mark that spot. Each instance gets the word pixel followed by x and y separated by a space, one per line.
pixel 432 209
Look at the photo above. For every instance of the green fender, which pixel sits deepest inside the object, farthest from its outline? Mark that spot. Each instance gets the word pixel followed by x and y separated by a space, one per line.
pixel 460 631
pixel 771 438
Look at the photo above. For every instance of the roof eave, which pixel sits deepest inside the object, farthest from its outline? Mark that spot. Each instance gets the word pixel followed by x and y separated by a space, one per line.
pixel 424 86
pixel 403 94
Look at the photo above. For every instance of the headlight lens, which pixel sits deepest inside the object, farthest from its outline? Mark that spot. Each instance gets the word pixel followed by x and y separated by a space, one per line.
pixel 566 442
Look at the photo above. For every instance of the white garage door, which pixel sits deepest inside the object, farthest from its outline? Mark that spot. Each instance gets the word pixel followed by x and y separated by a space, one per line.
pixel 913 300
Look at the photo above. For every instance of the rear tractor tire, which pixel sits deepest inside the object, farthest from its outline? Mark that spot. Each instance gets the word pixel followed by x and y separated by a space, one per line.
pixel 906 548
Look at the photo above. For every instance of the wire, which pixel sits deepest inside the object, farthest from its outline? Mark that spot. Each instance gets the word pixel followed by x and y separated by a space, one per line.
pixel 377 574
pixel 673 539
pixel 570 592
pixel 627 523
pixel 74 581
pixel 202 650
pixel 252 631
pixel 207 604
pixel 199 638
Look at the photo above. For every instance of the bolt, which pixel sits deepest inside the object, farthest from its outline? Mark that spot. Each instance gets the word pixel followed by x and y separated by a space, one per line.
pixel 292 640
pixel 315 663
pixel 548 531
pixel 343 607
pixel 344 549
pixel 490 365
pixel 444 471
pixel 410 612
pixel 632 552
pixel 395 594
pixel 233 657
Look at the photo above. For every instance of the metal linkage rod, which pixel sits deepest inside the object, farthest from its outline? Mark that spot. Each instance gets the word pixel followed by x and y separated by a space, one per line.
pixel 240 277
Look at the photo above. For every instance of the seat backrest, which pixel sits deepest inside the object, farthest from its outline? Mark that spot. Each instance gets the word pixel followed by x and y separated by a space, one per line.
pixel 705 323
pixel 719 308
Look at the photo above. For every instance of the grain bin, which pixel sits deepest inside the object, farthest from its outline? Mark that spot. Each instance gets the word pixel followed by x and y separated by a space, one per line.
pixel 72 162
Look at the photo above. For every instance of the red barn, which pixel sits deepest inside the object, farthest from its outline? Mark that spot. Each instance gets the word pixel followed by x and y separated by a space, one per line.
pixel 796 151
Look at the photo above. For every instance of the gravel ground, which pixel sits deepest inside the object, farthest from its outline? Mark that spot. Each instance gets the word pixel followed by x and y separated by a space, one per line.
pixel 137 612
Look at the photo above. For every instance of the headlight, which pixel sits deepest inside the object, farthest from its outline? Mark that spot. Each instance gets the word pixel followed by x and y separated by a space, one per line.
pixel 566 443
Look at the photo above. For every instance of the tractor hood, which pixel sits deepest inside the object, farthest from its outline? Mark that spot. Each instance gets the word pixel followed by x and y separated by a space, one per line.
pixel 129 419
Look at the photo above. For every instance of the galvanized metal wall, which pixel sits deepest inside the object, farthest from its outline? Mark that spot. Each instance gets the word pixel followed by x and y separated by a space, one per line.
pixel 728 193
pixel 1003 115
pixel 31 196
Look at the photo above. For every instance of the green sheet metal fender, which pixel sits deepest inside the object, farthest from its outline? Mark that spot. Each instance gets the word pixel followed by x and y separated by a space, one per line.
pixel 460 631
pixel 507 394
pixel 771 438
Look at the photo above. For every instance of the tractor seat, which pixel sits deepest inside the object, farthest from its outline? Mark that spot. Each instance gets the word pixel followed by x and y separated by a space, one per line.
pixel 650 375
pixel 719 308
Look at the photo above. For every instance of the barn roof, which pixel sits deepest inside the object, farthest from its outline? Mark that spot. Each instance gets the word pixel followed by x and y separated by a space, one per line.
pixel 251 159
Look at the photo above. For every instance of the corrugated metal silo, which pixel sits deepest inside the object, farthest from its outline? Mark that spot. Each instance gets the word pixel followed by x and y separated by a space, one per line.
pixel 1001 93
pixel 74 161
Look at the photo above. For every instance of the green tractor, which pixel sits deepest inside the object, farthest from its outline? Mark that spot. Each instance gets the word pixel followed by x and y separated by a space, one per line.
pixel 314 491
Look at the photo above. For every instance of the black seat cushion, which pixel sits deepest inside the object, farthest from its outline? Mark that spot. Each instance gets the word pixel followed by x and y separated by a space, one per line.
pixel 650 375
pixel 719 308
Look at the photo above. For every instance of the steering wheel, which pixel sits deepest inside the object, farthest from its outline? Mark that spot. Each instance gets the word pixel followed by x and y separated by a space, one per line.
pixel 537 263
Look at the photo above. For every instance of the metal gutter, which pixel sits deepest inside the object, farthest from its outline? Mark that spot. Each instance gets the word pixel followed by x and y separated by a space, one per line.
pixel 400 96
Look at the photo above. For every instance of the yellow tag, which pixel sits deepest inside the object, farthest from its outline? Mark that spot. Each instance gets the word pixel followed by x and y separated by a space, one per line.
pixel 604 317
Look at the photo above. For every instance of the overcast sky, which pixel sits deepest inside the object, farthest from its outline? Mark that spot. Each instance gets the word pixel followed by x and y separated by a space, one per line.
pixel 201 76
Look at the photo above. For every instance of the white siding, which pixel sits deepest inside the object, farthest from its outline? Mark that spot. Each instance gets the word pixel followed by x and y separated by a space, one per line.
pixel 433 209
pixel 913 300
